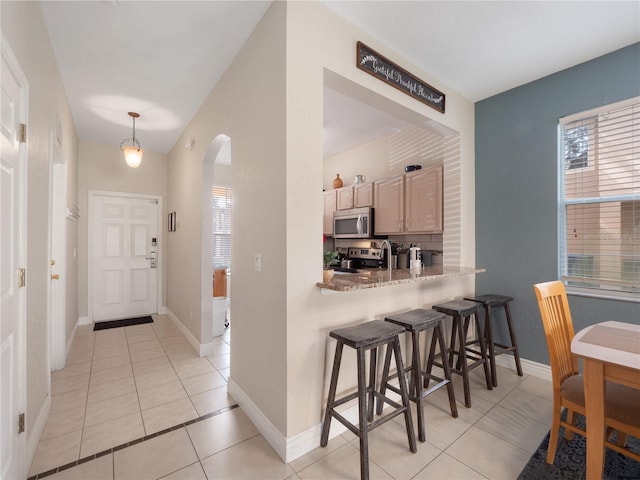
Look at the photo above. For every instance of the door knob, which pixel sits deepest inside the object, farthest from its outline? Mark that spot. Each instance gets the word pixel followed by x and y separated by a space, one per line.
pixel 55 277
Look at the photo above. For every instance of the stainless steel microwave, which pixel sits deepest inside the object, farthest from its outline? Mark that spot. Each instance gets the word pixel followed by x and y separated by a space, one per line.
pixel 353 223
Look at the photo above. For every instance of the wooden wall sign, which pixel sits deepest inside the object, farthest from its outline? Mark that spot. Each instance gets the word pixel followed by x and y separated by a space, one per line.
pixel 384 69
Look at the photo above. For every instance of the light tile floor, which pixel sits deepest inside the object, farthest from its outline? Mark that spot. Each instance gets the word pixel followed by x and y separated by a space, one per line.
pixel 491 440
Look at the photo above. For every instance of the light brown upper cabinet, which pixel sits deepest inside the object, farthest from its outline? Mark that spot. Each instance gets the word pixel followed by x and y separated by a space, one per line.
pixel 410 203
pixel 345 198
pixel 388 198
pixel 329 208
pixel 423 201
pixel 363 195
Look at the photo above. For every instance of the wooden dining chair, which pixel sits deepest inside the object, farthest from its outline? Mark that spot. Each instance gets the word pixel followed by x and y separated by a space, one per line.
pixel 622 403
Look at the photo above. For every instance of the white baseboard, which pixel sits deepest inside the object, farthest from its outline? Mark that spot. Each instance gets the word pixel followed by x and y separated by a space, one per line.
pixel 193 341
pixel 207 349
pixel 36 433
pixel 84 320
pixel 162 310
pixel 275 438
pixel 288 448
pixel 306 441
pixel 529 367
pixel 71 339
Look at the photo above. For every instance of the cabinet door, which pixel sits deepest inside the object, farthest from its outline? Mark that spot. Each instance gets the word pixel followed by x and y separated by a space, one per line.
pixel 423 201
pixel 363 195
pixel 345 198
pixel 329 208
pixel 388 199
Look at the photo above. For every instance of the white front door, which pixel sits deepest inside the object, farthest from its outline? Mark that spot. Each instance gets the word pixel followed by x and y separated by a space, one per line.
pixel 12 245
pixel 124 250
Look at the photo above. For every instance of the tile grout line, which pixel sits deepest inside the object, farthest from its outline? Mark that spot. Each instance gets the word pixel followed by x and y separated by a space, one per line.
pixel 180 379
pixel 125 337
pixel 132 443
pixel 133 372
pixel 86 400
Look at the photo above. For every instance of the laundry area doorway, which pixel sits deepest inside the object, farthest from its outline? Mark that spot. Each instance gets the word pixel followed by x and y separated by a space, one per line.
pixel 216 239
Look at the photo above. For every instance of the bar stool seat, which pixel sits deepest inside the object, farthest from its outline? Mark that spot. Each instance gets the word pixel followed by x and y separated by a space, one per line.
pixel 415 322
pixel 461 311
pixel 367 336
pixel 491 301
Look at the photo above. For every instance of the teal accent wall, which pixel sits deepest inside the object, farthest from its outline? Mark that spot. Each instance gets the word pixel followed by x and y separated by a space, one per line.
pixel 516 189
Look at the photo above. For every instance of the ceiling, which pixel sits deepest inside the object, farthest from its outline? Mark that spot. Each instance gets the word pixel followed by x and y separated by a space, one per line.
pixel 162 58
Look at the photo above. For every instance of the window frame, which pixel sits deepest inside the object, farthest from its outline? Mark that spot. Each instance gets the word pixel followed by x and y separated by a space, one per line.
pixel 562 203
pixel 228 199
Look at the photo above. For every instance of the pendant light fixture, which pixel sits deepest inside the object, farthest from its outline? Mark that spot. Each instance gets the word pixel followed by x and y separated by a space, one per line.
pixel 133 153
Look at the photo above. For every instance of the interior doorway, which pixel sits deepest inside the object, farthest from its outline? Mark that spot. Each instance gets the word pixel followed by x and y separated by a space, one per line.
pixel 14 97
pixel 57 254
pixel 216 239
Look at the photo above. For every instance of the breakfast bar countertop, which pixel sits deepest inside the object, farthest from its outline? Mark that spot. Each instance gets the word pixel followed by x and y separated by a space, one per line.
pixel 374 278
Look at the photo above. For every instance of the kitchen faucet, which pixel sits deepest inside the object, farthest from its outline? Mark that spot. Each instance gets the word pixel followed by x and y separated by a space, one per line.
pixel 386 242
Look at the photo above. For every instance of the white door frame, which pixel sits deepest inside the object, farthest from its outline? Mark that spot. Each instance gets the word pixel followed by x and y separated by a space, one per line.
pixel 19 374
pixel 206 295
pixel 92 195
pixel 56 289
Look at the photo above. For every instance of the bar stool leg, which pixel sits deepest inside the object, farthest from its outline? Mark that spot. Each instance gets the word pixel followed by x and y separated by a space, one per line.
pixel 362 415
pixel 437 333
pixel 385 376
pixel 428 359
pixel 462 360
pixel 405 397
pixel 483 353
pixel 324 438
pixel 417 384
pixel 488 331
pixel 373 359
pixel 452 343
pixel 512 334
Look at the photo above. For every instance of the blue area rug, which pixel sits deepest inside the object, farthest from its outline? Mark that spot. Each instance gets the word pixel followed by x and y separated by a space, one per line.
pixel 570 461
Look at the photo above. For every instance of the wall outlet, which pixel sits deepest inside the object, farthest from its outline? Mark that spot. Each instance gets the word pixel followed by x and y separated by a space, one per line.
pixel 258 262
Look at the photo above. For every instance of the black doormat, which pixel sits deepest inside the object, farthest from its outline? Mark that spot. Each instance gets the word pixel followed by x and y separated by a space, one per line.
pixel 126 322
pixel 570 461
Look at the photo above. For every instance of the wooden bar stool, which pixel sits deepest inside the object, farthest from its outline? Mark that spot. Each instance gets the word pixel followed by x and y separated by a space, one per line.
pixel 415 322
pixel 367 336
pixel 462 311
pixel 491 301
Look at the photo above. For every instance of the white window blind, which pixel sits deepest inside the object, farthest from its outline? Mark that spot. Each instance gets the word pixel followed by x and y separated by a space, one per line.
pixel 221 227
pixel 599 199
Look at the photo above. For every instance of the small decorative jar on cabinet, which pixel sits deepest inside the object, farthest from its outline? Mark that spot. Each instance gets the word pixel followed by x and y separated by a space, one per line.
pixel 337 182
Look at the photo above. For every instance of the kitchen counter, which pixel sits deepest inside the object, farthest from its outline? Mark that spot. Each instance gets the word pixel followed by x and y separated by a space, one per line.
pixel 374 278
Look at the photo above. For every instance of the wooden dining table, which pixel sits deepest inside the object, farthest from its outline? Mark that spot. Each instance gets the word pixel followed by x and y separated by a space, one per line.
pixel 610 352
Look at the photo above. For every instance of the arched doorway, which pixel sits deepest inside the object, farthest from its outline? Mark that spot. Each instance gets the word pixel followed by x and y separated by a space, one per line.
pixel 216 173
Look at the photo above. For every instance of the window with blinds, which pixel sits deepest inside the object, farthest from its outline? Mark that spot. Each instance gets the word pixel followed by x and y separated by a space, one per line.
pixel 599 199
pixel 221 227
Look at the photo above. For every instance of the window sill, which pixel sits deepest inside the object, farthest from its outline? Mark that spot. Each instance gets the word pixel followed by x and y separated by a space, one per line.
pixel 605 295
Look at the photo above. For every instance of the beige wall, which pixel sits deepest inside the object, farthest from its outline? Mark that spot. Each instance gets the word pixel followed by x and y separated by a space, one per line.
pixel 102 167
pixel 25 32
pixel 310 315
pixel 273 113
pixel 270 103
pixel 385 157
pixel 248 106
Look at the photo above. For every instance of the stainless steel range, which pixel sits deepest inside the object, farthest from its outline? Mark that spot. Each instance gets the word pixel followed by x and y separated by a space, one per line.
pixel 361 259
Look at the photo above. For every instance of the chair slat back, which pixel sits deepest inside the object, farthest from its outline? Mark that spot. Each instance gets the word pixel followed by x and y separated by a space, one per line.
pixel 558 329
